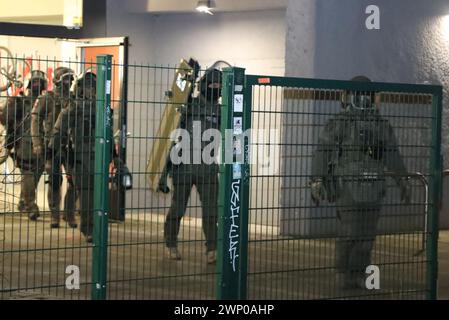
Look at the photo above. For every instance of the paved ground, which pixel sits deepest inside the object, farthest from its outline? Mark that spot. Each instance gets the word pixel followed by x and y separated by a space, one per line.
pixel 34 258
pixel 443 273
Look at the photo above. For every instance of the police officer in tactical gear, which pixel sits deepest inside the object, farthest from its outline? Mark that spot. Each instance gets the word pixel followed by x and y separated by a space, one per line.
pixel 355 149
pixel 17 120
pixel 204 111
pixel 45 112
pixel 76 124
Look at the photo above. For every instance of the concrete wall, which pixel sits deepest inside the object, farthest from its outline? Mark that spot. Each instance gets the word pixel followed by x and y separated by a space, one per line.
pixel 412 45
pixel 300 38
pixel 251 40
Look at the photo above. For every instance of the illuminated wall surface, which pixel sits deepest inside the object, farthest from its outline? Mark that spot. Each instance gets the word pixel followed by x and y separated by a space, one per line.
pixel 411 46
pixel 45 12
pixel 328 39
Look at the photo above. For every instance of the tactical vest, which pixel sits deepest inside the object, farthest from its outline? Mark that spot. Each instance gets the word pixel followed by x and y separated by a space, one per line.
pixel 54 109
pixel 82 127
pixel 200 116
pixel 360 166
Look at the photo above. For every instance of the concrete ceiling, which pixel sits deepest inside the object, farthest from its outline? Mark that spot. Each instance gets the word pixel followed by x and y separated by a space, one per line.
pixel 179 6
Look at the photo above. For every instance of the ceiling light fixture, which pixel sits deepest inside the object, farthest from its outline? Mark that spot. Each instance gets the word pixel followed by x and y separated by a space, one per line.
pixel 204 6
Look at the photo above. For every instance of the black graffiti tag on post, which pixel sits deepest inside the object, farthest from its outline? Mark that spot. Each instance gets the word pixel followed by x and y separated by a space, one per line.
pixel 233 231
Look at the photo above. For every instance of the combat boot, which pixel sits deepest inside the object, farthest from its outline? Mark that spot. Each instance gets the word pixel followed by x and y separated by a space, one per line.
pixel 71 221
pixel 54 220
pixel 211 256
pixel 173 253
pixel 33 212
pixel 21 206
pixel 352 280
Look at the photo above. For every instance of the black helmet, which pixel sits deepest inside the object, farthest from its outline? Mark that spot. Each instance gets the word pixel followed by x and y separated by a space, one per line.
pixel 87 80
pixel 37 82
pixel 210 84
pixel 358 99
pixel 63 74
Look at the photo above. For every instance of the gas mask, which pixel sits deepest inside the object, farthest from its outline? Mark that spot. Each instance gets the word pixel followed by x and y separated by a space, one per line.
pixel 85 87
pixel 36 83
pixel 63 84
pixel 358 100
pixel 210 85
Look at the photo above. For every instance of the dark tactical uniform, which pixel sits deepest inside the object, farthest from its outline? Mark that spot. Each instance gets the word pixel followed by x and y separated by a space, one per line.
pixel 17 121
pixel 77 124
pixel 43 118
pixel 206 111
pixel 354 150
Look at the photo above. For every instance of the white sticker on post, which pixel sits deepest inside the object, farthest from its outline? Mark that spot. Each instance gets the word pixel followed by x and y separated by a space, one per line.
pixel 238 125
pixel 108 87
pixel 238 103
pixel 238 88
pixel 236 171
pixel 237 147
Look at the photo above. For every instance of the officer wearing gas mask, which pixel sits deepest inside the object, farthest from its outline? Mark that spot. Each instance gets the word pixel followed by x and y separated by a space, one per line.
pixel 355 149
pixel 76 124
pixel 16 117
pixel 203 111
pixel 43 118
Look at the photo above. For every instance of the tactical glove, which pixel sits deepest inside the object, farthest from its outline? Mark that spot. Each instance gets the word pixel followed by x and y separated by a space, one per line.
pixel 38 150
pixel 317 191
pixel 163 185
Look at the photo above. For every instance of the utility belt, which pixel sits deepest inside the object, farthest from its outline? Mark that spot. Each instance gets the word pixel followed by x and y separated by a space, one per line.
pixel 361 182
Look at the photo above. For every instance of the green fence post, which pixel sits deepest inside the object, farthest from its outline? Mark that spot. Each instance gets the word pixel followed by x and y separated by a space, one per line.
pixel 234 188
pixel 103 140
pixel 436 171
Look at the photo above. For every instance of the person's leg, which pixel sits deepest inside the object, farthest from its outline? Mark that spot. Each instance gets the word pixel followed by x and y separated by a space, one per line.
pixel 347 240
pixel 207 186
pixel 70 195
pixel 182 185
pixel 357 232
pixel 30 179
pixel 54 193
pixel 365 229
pixel 82 181
pixel 343 243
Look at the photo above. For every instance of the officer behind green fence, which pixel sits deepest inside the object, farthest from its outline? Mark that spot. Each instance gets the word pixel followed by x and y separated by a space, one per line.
pixel 16 117
pixel 349 168
pixel 76 124
pixel 43 117
pixel 202 111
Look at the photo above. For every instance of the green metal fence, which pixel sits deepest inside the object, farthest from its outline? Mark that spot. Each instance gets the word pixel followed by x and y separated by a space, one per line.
pixel 292 242
pixel 38 261
pixel 273 242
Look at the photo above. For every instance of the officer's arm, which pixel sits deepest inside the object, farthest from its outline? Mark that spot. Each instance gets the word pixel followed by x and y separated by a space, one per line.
pixel 59 135
pixel 327 149
pixel 8 119
pixel 37 116
pixel 393 158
